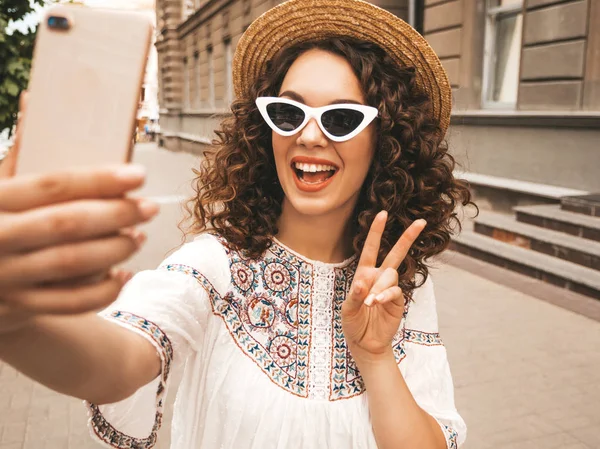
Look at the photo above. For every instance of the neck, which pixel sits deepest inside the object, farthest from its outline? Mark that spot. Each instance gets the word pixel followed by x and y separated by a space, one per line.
pixel 326 238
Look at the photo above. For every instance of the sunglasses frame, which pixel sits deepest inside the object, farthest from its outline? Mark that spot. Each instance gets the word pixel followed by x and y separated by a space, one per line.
pixel 369 114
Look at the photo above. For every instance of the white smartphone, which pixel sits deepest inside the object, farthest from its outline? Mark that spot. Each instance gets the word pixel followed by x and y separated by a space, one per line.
pixel 84 89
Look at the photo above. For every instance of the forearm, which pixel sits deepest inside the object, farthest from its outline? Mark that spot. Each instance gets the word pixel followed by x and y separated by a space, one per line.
pixel 398 421
pixel 84 356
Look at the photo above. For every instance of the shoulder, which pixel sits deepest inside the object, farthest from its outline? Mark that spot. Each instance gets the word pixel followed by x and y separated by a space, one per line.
pixel 422 311
pixel 204 258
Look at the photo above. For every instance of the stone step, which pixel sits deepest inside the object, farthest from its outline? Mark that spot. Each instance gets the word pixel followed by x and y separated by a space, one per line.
pixel 553 217
pixel 550 269
pixel 582 204
pixel 564 246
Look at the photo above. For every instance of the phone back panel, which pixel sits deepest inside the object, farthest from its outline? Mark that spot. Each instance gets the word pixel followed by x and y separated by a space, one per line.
pixel 84 89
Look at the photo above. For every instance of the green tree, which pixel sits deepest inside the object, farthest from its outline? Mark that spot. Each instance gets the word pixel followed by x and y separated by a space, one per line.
pixel 16 50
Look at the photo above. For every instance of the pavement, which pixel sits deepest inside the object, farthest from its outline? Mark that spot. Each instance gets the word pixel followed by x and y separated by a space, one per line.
pixel 525 367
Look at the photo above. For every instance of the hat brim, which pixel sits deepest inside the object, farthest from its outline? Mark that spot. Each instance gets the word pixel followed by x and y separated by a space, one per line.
pixel 304 20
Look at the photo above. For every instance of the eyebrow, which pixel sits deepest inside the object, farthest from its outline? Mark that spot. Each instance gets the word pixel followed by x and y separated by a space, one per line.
pixel 297 97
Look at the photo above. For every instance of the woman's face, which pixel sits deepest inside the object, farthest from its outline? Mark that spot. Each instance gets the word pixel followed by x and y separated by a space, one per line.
pixel 319 78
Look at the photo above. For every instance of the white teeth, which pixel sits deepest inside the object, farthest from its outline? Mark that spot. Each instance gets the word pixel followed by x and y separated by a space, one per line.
pixel 313 167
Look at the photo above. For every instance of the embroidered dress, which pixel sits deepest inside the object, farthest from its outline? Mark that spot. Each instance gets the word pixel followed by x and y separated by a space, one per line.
pixel 259 348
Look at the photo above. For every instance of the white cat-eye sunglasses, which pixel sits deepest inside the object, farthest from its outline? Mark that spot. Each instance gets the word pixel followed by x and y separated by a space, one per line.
pixel 339 122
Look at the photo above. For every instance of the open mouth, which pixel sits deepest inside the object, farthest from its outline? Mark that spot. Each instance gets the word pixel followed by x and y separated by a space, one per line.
pixel 313 174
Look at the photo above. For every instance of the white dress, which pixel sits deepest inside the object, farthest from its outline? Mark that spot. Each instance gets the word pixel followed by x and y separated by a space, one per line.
pixel 265 364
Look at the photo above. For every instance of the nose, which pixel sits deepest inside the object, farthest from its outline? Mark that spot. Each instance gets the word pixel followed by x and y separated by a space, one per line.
pixel 311 135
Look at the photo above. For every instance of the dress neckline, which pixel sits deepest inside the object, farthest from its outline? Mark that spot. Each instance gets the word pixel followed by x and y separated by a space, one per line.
pixel 342 264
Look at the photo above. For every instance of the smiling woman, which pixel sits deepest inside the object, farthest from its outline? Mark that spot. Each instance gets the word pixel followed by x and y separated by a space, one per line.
pixel 394 160
pixel 303 316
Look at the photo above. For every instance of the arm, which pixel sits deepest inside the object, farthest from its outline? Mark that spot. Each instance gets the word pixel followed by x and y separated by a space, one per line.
pixel 398 421
pixel 84 356
pixel 411 407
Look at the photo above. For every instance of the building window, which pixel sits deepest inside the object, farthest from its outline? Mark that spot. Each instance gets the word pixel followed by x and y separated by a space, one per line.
pixel 211 78
pixel 228 73
pixel 186 84
pixel 197 102
pixel 502 53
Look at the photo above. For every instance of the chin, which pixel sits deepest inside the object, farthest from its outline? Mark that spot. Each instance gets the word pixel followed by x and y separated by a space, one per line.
pixel 312 206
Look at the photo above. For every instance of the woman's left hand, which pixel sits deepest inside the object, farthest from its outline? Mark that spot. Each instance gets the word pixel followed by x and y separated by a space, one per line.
pixel 372 311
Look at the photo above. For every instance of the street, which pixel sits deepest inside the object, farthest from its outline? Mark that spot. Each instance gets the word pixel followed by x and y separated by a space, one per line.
pixel 525 369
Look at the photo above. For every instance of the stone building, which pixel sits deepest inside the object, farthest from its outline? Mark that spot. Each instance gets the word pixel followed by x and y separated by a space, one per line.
pixel 526 117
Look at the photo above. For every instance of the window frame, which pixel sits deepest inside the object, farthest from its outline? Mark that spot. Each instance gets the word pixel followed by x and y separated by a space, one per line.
pixel 186 84
pixel 491 19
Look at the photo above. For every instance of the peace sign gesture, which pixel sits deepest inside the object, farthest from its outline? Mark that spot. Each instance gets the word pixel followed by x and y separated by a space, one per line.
pixel 372 311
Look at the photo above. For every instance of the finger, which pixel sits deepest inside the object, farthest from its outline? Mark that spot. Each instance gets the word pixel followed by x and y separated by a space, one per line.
pixel 68 300
pixel 71 222
pixel 63 262
pixel 402 246
pixel 392 295
pixel 387 279
pixel 30 191
pixel 357 294
pixel 368 256
pixel 9 164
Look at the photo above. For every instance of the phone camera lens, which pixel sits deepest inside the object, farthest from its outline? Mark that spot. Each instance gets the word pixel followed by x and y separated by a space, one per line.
pixel 58 23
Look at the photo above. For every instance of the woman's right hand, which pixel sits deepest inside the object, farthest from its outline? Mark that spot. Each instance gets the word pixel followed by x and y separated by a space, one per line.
pixel 61 234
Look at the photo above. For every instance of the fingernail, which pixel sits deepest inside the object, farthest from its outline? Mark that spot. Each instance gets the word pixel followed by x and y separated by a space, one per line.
pixel 130 172
pixel 147 208
pixel 421 221
pixel 124 276
pixel 138 237
pixel 369 300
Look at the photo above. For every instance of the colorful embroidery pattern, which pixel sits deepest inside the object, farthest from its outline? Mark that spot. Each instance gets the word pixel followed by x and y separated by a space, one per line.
pixel 451 436
pixel 345 378
pixel 284 313
pixel 102 428
pixel 270 321
pixel 423 338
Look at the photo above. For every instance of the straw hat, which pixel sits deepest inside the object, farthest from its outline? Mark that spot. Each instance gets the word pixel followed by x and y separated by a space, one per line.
pixel 302 20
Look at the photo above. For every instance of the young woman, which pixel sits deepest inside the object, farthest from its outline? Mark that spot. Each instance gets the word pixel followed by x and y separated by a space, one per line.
pixel 303 315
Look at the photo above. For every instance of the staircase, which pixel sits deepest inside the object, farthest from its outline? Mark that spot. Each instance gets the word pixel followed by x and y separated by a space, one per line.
pixel 557 243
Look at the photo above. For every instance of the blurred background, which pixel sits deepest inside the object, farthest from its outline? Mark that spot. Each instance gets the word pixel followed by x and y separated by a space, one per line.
pixel 518 293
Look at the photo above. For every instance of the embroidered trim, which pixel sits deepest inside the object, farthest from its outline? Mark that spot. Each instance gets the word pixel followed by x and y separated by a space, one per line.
pixel 273 329
pixel 102 428
pixel 284 313
pixel 423 338
pixel 346 381
pixel 451 436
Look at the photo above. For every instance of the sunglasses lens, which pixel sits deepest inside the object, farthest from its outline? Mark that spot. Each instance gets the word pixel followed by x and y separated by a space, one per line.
pixel 285 116
pixel 341 122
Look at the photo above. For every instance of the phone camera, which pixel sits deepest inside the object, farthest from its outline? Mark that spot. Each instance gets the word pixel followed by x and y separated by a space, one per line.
pixel 58 23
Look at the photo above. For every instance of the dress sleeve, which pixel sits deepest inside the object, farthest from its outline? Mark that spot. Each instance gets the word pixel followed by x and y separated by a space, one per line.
pixel 426 369
pixel 168 308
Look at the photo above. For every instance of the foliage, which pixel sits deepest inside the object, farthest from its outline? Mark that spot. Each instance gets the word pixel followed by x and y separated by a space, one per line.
pixel 16 51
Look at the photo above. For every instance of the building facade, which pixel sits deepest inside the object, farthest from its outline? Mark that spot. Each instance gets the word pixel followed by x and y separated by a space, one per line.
pixel 525 73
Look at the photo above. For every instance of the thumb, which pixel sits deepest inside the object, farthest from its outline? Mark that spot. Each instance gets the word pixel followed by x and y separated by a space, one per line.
pixel 8 166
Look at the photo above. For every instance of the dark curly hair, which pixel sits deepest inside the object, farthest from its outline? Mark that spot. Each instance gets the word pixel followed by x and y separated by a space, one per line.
pixel 238 193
